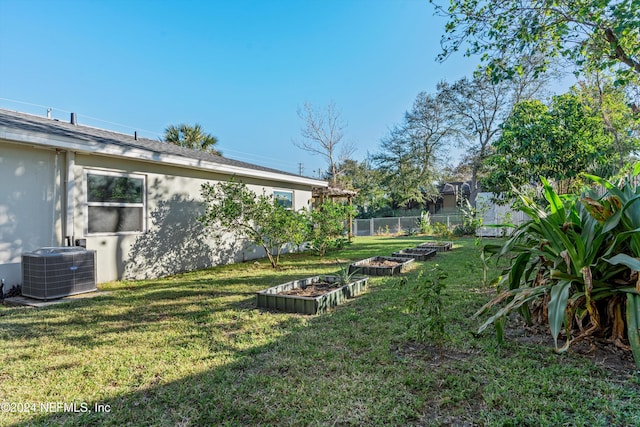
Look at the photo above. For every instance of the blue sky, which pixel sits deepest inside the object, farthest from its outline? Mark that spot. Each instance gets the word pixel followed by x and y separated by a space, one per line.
pixel 240 68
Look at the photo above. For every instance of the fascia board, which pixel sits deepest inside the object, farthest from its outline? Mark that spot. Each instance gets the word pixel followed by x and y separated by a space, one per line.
pixel 90 147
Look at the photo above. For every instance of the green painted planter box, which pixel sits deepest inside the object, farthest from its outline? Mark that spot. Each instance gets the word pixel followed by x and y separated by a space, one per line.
pixel 270 298
pixel 438 246
pixel 363 267
pixel 419 254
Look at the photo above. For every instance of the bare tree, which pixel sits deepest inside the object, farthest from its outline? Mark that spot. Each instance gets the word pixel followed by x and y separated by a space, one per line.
pixel 478 107
pixel 322 132
pixel 411 151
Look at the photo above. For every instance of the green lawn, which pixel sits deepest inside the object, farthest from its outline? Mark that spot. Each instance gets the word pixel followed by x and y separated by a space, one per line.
pixel 192 350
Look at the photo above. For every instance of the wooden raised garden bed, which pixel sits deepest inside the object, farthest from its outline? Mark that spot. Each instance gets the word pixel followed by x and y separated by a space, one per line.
pixel 438 246
pixel 419 254
pixel 313 295
pixel 381 266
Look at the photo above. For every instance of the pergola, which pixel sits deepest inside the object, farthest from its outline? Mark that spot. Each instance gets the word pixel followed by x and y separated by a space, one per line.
pixel 320 194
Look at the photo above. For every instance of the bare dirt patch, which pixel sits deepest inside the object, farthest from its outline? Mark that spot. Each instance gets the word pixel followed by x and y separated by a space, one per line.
pixel 617 361
pixel 379 263
pixel 313 290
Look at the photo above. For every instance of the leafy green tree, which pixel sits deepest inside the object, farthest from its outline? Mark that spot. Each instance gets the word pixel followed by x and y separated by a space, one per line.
pixel 191 137
pixel 615 106
pixel 593 34
pixel 234 208
pixel 367 181
pixel 409 154
pixel 477 108
pixel 558 142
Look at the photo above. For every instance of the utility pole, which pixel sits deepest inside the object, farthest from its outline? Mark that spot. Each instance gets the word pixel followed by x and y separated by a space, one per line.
pixel 300 168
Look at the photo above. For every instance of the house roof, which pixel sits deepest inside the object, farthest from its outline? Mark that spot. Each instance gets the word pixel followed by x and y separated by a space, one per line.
pixel 42 131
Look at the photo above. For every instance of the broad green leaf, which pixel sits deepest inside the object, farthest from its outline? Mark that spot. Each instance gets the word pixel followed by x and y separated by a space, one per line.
pixel 499 325
pixel 624 259
pixel 612 222
pixel 554 201
pixel 633 325
pixel 559 296
pixel 517 268
pixel 609 186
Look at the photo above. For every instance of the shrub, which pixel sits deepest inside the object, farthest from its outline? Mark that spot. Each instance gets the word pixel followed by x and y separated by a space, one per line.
pixel 440 229
pixel 328 226
pixel 427 301
pixel 575 266
pixel 234 208
pixel 424 223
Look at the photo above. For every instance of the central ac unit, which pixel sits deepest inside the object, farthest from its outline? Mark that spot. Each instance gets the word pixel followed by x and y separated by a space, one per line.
pixel 56 272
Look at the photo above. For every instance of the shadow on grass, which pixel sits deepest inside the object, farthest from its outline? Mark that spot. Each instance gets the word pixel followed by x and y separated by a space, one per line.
pixel 335 368
pixel 267 383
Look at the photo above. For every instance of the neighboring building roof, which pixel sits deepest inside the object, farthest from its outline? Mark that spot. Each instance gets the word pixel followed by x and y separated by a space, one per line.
pixel 454 187
pixel 36 130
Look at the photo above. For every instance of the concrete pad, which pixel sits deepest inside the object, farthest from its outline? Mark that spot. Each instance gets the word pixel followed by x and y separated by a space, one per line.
pixel 32 302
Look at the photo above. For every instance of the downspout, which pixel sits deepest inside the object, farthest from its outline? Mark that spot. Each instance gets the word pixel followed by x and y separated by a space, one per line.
pixel 70 183
pixel 54 200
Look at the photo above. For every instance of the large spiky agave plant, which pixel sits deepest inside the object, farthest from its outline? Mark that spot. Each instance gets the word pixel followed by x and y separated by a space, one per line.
pixel 574 265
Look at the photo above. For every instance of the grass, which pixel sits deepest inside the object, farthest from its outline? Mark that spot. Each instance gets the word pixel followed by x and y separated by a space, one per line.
pixel 192 350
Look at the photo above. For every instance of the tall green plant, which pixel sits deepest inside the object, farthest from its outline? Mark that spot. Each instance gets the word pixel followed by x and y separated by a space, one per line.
pixel 574 266
pixel 234 208
pixel 329 226
pixel 427 300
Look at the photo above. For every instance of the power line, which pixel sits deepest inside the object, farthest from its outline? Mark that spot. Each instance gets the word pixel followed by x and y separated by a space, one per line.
pixel 240 155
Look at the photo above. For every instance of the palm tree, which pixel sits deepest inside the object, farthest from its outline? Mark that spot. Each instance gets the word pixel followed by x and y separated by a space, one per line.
pixel 191 137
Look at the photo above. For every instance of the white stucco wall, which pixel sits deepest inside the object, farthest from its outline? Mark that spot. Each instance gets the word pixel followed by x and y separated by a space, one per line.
pixel 33 212
pixel 174 240
pixel 30 207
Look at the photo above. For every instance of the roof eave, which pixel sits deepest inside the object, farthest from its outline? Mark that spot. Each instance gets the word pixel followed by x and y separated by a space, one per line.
pixel 114 150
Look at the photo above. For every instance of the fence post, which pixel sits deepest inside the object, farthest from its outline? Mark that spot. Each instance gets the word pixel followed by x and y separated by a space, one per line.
pixel 399 226
pixel 448 224
pixel 370 226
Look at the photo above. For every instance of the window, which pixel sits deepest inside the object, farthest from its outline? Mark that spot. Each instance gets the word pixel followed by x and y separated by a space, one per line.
pixel 284 198
pixel 115 203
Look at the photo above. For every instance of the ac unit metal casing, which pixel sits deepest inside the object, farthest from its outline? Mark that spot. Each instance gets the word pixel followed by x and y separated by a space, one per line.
pixel 56 272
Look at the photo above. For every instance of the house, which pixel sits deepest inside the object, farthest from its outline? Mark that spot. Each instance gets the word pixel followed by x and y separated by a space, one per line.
pixel 134 201
pixel 450 196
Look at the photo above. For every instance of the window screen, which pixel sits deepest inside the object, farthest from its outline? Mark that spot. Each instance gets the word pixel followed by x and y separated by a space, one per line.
pixel 115 203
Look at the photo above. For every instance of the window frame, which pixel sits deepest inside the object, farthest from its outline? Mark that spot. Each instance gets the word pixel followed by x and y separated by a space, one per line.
pixel 293 197
pixel 88 204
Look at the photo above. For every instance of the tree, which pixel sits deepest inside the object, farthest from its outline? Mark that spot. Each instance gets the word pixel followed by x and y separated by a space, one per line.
pixel 328 226
pixel 322 134
pixel 410 152
pixel 191 137
pixel 593 34
pixel 236 209
pixel 615 106
pixel 477 109
pixel 367 181
pixel 558 142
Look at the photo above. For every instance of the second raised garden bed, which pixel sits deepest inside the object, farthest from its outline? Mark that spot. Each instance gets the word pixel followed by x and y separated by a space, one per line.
pixel 313 295
pixel 419 254
pixel 381 266
pixel 439 246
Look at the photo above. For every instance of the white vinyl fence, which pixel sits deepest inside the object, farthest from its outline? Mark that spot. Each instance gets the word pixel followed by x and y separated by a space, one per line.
pixel 402 224
pixel 492 217
pixel 495 215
